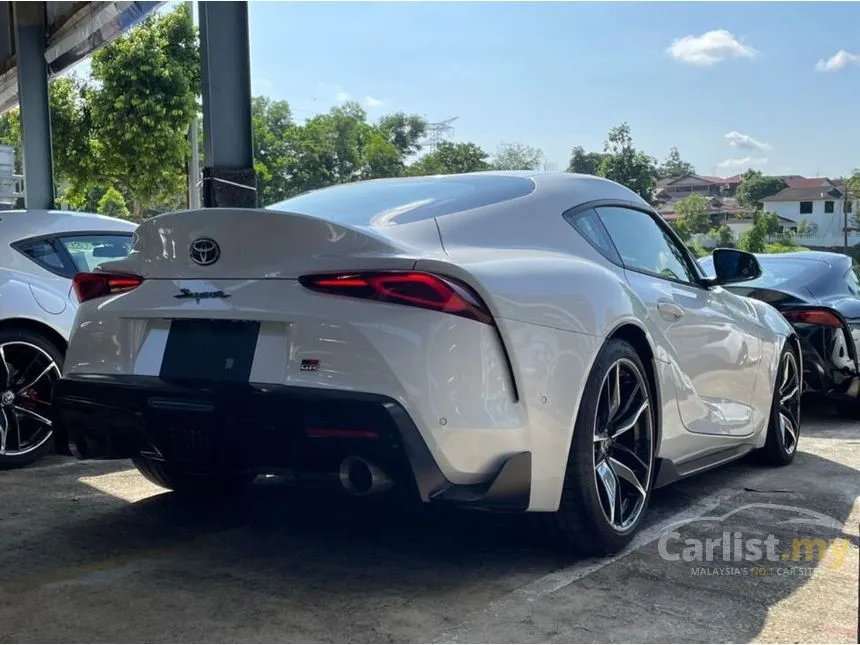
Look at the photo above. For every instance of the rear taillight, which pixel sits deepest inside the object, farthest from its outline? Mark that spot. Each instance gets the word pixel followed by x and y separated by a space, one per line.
pixel 97 285
pixel 818 317
pixel 404 288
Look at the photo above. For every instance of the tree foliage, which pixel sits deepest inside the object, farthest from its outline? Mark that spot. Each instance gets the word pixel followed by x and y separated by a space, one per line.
pixel 449 158
pixel 755 239
pixel 112 204
pixel 674 166
pixel 585 163
pixel 693 212
pixel 517 156
pixel 626 165
pixel 723 236
pixel 755 186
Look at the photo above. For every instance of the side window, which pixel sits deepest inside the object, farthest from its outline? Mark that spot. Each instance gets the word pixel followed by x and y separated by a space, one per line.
pixel 47 254
pixel 588 224
pixel 644 245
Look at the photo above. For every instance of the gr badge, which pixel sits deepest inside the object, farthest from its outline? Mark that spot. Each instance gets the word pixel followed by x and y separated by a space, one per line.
pixel 310 365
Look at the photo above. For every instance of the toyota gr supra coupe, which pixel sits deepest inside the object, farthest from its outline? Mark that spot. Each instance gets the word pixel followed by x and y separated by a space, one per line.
pixel 819 294
pixel 535 342
pixel 42 250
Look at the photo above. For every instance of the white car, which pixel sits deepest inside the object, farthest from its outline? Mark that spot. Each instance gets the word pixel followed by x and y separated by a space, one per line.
pixel 40 251
pixel 535 342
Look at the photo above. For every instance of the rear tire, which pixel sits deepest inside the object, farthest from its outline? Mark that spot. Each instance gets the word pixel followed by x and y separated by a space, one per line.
pixel 613 448
pixel 783 429
pixel 192 484
pixel 29 356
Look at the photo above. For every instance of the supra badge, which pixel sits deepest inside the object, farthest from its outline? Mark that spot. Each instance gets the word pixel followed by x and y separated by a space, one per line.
pixel 197 296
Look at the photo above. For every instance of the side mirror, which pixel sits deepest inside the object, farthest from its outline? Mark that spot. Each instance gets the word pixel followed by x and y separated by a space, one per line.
pixel 731 265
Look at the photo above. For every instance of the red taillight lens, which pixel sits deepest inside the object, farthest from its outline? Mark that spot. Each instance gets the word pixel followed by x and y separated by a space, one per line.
pixel 812 317
pixel 96 285
pixel 406 288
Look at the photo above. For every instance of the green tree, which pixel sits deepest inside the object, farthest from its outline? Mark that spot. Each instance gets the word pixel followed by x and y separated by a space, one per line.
pixel 517 156
pixel 693 210
pixel 585 163
pixel 404 131
pixel 754 187
pixel 852 186
pixel 451 158
pixel 682 228
pixel 723 236
pixel 674 166
pixel 274 154
pixel 755 240
pixel 113 204
pixel 140 106
pixel 626 165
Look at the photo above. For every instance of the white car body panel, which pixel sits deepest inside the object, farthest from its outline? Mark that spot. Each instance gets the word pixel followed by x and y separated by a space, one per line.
pixel 29 292
pixel 555 300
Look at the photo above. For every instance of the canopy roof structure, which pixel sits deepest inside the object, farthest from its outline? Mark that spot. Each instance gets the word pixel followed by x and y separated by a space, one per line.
pixel 39 40
pixel 74 31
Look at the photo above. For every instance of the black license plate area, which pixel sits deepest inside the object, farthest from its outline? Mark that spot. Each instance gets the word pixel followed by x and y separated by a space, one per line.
pixel 210 350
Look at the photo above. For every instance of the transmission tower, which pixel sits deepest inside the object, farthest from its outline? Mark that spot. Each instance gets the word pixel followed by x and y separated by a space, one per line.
pixel 438 132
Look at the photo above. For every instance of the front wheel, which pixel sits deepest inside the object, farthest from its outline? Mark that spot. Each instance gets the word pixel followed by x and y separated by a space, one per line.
pixel 607 482
pixel 783 430
pixel 29 365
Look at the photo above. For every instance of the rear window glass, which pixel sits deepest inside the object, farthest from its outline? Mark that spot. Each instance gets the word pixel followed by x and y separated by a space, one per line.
pixel 88 251
pixel 400 201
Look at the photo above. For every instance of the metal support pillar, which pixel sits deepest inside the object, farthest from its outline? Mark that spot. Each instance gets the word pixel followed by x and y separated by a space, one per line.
pixel 30 40
pixel 228 174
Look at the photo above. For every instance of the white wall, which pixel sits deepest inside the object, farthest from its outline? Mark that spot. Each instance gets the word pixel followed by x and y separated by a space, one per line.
pixel 829 224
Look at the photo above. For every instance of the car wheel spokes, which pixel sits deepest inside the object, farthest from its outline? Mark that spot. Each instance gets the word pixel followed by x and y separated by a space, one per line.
pixel 27 374
pixel 789 395
pixel 623 444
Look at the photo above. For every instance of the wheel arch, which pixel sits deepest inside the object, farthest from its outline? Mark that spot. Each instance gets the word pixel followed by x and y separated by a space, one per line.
pixel 636 336
pixel 28 324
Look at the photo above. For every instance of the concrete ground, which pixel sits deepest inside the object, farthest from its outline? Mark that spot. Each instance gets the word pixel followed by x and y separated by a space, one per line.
pixel 90 552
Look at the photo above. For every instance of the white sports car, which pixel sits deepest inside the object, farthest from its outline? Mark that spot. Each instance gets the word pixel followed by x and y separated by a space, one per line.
pixel 534 342
pixel 42 250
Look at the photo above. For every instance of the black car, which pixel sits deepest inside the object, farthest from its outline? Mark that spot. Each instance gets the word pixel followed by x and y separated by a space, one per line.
pixel 819 294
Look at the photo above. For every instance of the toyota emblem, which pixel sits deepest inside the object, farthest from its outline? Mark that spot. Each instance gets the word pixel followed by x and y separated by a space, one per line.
pixel 205 251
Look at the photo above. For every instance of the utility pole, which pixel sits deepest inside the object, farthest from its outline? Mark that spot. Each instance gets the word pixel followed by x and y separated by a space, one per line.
pixel 846 199
pixel 194 166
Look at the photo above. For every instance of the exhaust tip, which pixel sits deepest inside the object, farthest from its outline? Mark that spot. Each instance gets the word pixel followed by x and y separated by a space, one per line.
pixel 360 477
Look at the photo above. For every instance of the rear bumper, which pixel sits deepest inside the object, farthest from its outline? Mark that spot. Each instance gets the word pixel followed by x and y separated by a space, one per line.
pixel 255 427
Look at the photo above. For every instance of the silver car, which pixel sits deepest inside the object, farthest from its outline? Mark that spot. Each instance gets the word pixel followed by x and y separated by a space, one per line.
pixel 41 251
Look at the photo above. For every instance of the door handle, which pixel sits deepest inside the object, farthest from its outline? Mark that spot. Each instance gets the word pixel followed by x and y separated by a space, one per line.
pixel 669 310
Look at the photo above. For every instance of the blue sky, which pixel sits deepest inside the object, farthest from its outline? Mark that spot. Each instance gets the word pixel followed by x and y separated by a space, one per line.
pixel 555 75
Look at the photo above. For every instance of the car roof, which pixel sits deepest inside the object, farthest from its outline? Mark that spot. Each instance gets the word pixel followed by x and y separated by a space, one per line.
pixel 21 224
pixel 401 200
pixel 827 257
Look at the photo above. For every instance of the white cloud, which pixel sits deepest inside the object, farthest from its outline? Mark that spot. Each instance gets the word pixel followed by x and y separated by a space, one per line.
pixel 839 60
pixel 742 162
pixel 745 141
pixel 709 48
pixel 343 97
pixel 371 102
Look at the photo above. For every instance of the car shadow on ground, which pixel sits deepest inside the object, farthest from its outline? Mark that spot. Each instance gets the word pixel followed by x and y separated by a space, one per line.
pixel 310 563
